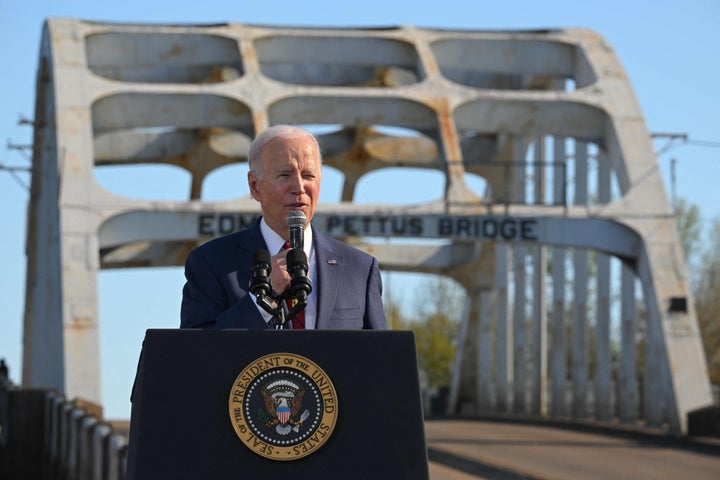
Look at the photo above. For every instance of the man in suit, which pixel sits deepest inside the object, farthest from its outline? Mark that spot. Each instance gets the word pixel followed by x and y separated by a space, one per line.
pixel 285 173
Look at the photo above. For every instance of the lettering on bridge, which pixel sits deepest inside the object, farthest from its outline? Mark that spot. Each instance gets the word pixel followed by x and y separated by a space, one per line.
pixel 434 226
pixel 421 226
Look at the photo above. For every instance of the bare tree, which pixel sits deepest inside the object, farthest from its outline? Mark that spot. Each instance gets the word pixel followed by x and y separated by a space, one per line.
pixel 703 261
pixel 707 300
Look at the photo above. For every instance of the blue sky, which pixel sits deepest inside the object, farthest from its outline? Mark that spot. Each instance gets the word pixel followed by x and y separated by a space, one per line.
pixel 669 50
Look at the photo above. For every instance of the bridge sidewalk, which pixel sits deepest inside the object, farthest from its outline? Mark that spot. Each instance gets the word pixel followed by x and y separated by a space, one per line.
pixel 467 450
pixel 501 450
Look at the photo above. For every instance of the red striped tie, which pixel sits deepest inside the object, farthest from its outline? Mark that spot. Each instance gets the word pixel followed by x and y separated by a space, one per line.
pixel 298 322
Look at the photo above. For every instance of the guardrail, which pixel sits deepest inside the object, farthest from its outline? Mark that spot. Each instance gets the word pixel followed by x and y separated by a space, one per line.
pixel 44 435
pixel 5 387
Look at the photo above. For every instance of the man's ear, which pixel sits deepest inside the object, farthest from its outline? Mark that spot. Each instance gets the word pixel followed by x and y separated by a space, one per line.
pixel 252 183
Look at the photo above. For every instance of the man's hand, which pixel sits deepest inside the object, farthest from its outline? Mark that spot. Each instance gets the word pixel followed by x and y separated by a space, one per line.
pixel 279 276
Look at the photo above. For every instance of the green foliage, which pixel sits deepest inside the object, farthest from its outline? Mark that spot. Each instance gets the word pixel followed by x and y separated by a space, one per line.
pixel 689 228
pixel 393 315
pixel 435 346
pixel 706 279
pixel 435 321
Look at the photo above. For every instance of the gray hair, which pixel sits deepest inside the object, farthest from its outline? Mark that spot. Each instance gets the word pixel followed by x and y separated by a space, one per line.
pixel 270 134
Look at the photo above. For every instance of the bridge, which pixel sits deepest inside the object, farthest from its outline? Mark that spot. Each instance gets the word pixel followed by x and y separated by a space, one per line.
pixel 504 450
pixel 64 440
pixel 578 305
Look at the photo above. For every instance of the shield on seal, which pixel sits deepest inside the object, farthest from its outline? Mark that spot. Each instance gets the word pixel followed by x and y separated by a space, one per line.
pixel 283 414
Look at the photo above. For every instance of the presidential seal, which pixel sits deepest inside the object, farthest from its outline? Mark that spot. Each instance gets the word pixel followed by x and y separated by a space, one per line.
pixel 283 406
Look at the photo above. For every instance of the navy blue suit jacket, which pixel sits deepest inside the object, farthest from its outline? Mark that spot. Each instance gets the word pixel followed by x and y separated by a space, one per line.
pixel 216 294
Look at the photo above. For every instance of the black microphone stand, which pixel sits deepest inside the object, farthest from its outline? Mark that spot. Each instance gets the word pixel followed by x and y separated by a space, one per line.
pixel 280 313
pixel 298 289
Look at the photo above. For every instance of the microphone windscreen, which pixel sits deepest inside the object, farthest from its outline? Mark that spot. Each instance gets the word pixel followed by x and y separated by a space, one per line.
pixel 296 218
pixel 261 256
pixel 296 257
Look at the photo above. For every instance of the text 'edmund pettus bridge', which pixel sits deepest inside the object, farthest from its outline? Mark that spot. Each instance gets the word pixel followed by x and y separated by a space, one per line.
pixel 432 226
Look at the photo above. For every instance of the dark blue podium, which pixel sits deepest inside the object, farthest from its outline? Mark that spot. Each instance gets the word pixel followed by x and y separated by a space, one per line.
pixel 200 406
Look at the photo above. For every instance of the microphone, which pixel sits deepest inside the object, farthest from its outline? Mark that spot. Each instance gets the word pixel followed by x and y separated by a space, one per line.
pixel 300 285
pixel 296 220
pixel 260 270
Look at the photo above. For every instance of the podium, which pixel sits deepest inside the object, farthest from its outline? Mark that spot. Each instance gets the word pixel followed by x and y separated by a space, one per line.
pixel 350 400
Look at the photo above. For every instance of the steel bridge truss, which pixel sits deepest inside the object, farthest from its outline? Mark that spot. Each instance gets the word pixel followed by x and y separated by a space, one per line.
pixel 578 303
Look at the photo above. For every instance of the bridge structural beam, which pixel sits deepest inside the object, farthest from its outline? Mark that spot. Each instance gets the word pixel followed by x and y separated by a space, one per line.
pixel 568 252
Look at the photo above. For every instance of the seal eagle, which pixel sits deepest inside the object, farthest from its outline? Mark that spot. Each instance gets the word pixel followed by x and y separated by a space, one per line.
pixel 282 406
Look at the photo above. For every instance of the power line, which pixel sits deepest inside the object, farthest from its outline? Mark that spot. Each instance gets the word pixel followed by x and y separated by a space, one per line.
pixel 13 173
pixel 704 143
pixel 672 138
pixel 22 150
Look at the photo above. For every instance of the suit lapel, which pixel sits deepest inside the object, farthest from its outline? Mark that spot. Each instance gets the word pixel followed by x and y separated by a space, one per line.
pixel 249 240
pixel 330 266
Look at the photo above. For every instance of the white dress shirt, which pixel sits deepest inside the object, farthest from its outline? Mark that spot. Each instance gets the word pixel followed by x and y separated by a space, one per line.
pixel 275 243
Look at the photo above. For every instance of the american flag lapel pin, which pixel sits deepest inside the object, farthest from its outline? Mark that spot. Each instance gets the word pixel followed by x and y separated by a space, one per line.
pixel 332 262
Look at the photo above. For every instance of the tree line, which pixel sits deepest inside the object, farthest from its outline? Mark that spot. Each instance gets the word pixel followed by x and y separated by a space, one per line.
pixel 702 257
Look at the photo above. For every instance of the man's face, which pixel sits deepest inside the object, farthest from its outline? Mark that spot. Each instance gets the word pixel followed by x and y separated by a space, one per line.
pixel 290 180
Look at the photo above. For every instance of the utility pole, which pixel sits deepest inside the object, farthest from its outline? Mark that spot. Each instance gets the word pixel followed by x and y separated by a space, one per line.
pixel 673 197
pixel 671 137
pixel 25 151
